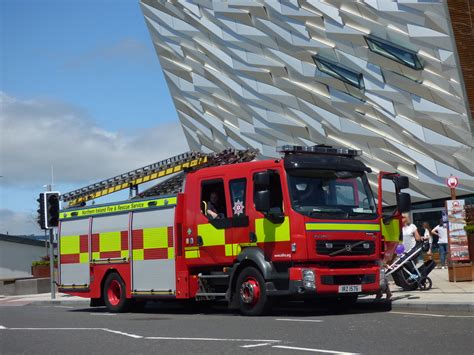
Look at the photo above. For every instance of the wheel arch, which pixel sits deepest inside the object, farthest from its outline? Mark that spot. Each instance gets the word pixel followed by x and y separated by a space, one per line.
pixel 251 256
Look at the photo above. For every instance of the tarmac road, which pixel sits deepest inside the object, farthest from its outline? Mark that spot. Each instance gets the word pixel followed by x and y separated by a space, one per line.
pixel 292 328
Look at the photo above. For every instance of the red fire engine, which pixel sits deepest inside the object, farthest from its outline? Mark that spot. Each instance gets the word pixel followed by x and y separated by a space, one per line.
pixel 227 226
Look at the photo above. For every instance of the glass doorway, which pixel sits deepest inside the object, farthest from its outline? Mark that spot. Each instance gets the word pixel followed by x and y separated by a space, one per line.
pixel 430 215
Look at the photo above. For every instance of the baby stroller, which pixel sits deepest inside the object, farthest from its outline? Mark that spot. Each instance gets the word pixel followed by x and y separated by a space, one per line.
pixel 407 275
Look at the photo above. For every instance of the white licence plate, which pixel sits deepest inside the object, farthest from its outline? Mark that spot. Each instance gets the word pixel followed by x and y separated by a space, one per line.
pixel 350 288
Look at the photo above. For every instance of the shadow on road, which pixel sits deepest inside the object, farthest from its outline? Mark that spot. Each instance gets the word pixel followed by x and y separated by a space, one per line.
pixel 280 308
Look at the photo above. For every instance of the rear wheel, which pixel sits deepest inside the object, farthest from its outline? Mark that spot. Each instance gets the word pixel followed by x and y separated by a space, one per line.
pixel 426 284
pixel 251 292
pixel 114 294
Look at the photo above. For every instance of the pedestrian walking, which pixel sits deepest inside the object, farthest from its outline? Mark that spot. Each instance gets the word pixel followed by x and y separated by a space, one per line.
pixel 442 233
pixel 410 233
pixel 427 237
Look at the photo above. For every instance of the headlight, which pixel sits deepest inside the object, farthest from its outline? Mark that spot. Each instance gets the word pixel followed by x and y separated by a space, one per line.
pixel 309 278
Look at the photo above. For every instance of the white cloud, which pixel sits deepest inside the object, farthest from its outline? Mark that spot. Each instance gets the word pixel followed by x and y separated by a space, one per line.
pixel 18 223
pixel 38 134
pixel 128 49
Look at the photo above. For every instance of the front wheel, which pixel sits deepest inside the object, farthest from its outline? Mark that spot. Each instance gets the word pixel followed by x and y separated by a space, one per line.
pixel 252 294
pixel 114 294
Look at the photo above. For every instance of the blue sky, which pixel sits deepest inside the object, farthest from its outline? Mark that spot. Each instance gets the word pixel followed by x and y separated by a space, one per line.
pixel 81 90
pixel 95 54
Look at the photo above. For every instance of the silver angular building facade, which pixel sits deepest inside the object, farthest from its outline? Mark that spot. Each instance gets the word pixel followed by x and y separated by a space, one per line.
pixel 382 76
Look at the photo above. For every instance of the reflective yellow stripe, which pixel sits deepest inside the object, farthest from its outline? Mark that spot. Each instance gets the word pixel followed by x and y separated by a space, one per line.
pixel 155 237
pixel 170 253
pixel 191 254
pixel 122 207
pixel 69 244
pixel 369 227
pixel 138 254
pixel 84 258
pixel 391 231
pixel 210 235
pixel 271 232
pixel 235 249
pixel 109 241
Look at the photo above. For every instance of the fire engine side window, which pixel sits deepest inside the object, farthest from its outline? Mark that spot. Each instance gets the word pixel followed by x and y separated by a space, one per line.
pixel 213 199
pixel 276 194
pixel 237 194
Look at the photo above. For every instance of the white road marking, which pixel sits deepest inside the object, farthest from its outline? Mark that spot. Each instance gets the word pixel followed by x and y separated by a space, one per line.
pixel 123 333
pixel 214 339
pixel 313 350
pixel 431 315
pixel 103 329
pixel 102 314
pixel 135 336
pixel 300 320
pixel 254 345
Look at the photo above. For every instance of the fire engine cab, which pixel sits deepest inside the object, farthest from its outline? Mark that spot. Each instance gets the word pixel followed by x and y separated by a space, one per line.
pixel 230 227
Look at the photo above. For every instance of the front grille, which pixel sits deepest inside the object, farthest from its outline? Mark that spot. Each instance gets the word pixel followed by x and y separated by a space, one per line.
pixel 345 247
pixel 348 279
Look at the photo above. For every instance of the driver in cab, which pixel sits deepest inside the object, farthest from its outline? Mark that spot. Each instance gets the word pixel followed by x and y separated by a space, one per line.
pixel 214 210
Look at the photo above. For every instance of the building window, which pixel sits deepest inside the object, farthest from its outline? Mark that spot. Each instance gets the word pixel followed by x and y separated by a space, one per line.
pixel 339 72
pixel 392 51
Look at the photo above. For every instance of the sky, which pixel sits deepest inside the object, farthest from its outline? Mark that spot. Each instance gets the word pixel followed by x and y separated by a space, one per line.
pixel 82 91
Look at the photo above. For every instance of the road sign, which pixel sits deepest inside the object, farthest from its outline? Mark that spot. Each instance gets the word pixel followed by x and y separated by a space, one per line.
pixel 452 182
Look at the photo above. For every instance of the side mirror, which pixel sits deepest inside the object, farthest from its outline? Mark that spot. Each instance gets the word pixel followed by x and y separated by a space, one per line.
pixel 404 202
pixel 262 180
pixel 401 182
pixel 262 200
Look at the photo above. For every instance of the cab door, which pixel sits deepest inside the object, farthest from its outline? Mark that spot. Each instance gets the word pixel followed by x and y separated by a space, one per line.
pixel 213 234
pixel 391 221
pixel 242 237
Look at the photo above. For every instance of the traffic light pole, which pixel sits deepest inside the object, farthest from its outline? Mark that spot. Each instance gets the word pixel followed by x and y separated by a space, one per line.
pixel 51 258
pixel 51 264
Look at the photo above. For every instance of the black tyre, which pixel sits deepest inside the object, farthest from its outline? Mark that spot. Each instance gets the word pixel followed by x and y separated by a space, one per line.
pixel 114 294
pixel 426 284
pixel 251 292
pixel 402 279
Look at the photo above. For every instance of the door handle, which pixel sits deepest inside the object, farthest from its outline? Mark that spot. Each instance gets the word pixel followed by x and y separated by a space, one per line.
pixel 199 241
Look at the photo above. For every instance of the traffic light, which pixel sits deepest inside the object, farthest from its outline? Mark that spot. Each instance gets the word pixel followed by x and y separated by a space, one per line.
pixel 48 211
pixel 51 209
pixel 41 212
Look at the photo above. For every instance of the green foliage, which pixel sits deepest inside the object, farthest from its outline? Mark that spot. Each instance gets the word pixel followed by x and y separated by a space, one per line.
pixel 469 228
pixel 44 261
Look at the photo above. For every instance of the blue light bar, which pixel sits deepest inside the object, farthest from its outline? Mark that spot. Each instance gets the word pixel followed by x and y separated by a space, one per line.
pixel 318 149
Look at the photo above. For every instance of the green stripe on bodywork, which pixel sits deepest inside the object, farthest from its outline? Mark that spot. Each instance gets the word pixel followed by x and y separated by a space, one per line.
pixel 369 227
pixel 119 208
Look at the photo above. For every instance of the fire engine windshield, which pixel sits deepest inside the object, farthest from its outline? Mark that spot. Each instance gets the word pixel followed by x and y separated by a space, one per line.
pixel 331 194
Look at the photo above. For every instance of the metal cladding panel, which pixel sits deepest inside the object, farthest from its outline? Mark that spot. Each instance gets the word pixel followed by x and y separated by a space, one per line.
pixel 243 74
pixel 153 257
pixel 157 275
pixel 104 224
pixel 73 269
pixel 154 218
pixel 109 238
pixel 75 274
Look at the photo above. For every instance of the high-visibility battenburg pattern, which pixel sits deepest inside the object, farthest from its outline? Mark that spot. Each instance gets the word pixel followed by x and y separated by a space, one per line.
pixel 380 76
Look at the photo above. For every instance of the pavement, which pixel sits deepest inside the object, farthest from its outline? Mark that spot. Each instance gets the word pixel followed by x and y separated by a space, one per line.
pixel 444 295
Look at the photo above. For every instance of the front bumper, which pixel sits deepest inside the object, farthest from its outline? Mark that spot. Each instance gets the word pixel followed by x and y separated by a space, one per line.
pixel 327 280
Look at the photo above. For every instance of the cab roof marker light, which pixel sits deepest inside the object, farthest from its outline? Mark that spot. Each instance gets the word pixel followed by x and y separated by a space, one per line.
pixel 319 149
